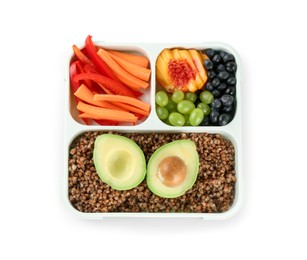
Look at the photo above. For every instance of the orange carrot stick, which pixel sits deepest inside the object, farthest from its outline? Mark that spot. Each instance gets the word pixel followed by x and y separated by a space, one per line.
pixel 123 99
pixel 102 118
pixel 135 70
pixel 133 58
pixel 124 76
pixel 131 108
pixel 86 95
pixel 105 113
pixel 105 89
pixel 81 57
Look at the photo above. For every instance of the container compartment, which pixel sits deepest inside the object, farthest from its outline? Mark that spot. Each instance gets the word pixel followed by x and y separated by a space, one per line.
pixel 125 49
pixel 177 69
pixel 213 192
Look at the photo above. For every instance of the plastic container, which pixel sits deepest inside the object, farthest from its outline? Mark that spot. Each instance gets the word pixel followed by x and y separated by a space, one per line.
pixel 231 131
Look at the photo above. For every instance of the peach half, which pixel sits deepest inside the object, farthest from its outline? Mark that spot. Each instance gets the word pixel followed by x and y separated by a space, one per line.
pixel 181 69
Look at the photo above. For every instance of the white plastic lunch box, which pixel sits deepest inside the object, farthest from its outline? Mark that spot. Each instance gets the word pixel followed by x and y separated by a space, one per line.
pixel 231 131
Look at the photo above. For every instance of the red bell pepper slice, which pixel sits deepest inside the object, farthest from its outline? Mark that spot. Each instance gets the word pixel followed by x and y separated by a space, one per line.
pixel 106 122
pixel 137 93
pixel 90 84
pixel 100 65
pixel 116 87
pixel 73 71
pixel 90 69
pixel 140 117
pixel 87 82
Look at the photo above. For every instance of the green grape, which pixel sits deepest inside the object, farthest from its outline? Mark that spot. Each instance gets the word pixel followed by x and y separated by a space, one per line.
pixel 166 121
pixel 196 117
pixel 187 122
pixel 205 108
pixel 206 97
pixel 171 106
pixel 176 119
pixel 161 98
pixel 162 112
pixel 177 96
pixel 190 96
pixel 185 107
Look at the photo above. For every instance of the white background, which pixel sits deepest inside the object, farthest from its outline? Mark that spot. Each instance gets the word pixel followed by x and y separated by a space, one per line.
pixel 36 36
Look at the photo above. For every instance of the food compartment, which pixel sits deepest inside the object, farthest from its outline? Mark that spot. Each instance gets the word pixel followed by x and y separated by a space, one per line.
pixel 127 74
pixel 197 86
pixel 214 190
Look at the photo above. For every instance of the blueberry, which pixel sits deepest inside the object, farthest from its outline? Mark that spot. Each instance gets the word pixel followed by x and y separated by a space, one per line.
pixel 211 74
pixel 227 109
pixel 227 100
pixel 221 87
pixel 214 114
pixel 210 52
pixel 220 67
pixel 208 64
pixel 223 75
pixel 215 82
pixel 228 57
pixel 206 121
pixel 231 80
pixel 222 53
pixel 209 86
pixel 224 119
pixel 231 66
pixel 216 104
pixel 216 59
pixel 216 93
pixel 231 90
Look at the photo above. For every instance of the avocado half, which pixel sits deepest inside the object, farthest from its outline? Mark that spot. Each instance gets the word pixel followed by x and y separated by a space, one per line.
pixel 119 161
pixel 173 169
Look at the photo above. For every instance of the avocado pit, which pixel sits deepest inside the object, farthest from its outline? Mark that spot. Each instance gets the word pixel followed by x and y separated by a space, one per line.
pixel 171 171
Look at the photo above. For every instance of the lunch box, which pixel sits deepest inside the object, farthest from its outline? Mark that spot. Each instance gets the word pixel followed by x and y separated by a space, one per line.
pixel 232 131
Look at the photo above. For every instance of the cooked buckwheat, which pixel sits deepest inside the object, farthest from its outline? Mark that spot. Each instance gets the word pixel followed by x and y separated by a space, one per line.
pixel 213 190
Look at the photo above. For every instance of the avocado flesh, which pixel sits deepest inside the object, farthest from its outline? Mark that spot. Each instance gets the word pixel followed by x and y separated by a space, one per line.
pixel 119 161
pixel 186 151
